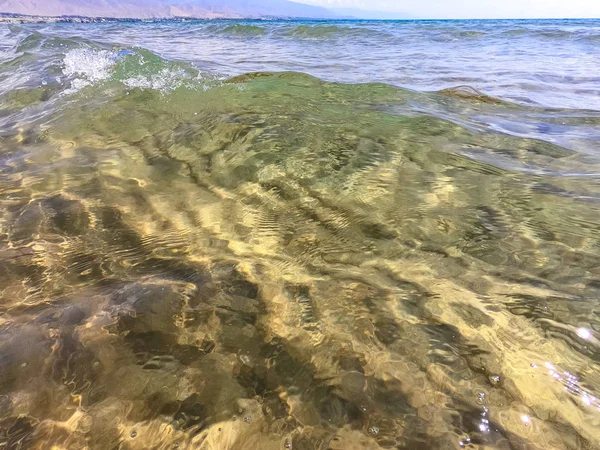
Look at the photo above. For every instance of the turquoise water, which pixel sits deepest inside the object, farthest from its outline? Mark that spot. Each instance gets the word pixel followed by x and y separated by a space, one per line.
pixel 307 235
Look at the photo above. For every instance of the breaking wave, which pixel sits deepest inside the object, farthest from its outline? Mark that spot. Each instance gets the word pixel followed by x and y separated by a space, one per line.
pixel 134 68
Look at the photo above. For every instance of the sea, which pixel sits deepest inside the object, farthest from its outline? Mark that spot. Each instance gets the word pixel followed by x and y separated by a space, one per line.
pixel 308 235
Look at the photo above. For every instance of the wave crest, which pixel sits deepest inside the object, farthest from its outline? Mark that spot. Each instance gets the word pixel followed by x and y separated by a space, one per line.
pixel 472 94
pixel 85 66
pixel 328 32
pixel 135 69
pixel 244 30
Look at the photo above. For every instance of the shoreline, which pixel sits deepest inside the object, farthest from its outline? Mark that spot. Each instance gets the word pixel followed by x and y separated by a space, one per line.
pixel 13 18
pixel 22 18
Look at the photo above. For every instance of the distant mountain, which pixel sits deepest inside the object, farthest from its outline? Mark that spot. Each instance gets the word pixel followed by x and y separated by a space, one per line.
pixel 88 8
pixel 155 9
pixel 250 8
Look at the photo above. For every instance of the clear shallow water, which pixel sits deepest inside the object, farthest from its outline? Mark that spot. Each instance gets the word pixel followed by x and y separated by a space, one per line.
pixel 229 235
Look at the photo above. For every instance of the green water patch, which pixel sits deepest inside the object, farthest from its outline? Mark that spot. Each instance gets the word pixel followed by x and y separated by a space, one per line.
pixel 22 98
pixel 243 30
pixel 325 32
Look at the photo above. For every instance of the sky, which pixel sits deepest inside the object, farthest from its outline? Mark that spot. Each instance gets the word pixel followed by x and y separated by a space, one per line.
pixel 468 9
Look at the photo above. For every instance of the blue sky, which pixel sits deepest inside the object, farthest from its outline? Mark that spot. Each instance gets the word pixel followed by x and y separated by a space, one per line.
pixel 472 8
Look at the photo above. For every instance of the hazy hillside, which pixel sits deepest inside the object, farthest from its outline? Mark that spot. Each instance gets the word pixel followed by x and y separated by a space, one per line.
pixel 147 9
pixel 250 8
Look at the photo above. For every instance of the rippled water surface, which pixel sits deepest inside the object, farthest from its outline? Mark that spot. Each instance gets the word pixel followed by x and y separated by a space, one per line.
pixel 300 235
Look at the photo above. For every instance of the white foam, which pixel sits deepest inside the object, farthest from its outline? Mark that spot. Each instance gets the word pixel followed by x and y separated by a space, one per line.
pixel 87 66
pixel 166 79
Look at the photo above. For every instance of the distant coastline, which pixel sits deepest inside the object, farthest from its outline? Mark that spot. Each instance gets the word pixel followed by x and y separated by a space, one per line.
pixel 24 18
pixel 12 18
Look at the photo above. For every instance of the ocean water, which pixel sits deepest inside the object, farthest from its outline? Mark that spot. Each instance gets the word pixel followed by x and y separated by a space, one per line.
pixel 300 235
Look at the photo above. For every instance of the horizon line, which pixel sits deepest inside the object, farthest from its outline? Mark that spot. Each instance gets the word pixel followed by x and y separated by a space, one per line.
pixel 289 18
